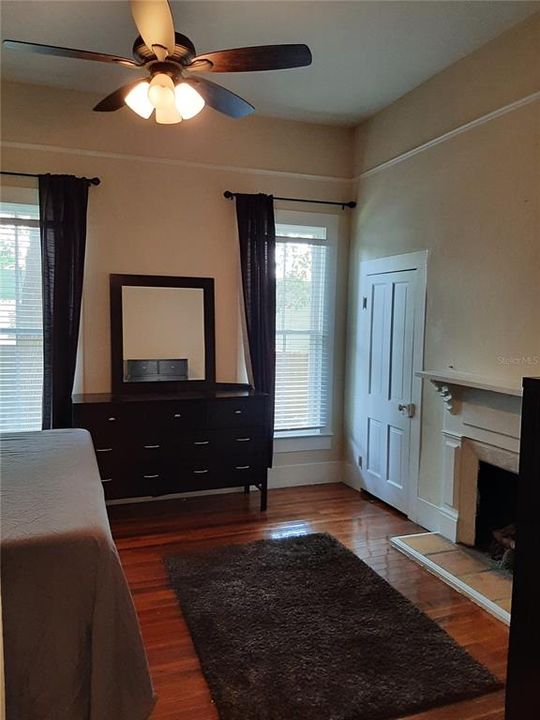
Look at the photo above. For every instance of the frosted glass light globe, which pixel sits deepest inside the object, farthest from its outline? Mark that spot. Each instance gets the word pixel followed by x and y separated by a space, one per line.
pixel 188 101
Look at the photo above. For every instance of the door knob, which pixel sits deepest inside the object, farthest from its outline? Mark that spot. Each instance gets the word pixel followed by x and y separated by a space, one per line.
pixel 409 409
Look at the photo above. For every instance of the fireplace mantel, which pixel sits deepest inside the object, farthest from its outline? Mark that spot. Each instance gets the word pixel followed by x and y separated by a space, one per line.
pixel 482 424
pixel 445 381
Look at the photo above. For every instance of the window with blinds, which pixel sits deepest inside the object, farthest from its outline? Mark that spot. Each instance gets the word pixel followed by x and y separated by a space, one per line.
pixel 302 329
pixel 21 324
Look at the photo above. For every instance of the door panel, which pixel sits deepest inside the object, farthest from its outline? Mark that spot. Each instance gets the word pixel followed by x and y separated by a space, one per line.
pixel 399 369
pixel 388 383
pixel 374 443
pixel 376 347
pixel 395 457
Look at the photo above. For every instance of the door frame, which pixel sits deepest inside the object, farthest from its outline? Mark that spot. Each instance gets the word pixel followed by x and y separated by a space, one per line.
pixel 417 261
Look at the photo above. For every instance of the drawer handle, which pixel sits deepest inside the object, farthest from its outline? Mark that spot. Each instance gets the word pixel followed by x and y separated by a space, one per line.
pixel 242 467
pixel 237 412
pixel 150 447
pixel 243 439
pixel 104 480
pixel 103 450
pixel 150 477
pixel 111 419
pixel 177 415
pixel 202 442
pixel 200 472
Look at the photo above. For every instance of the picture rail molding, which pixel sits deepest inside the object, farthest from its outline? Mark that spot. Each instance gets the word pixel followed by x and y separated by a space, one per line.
pixel 173 162
pixel 487 117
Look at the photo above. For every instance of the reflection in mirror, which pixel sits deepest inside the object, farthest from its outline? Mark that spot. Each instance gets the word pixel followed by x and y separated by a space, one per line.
pixel 163 334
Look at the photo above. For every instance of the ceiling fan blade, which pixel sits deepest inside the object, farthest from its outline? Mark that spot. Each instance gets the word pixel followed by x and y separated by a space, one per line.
pixel 68 52
pixel 221 99
pixel 116 99
pixel 250 59
pixel 154 22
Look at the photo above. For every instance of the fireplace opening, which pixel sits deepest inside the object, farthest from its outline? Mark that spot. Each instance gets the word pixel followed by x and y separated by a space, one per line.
pixel 495 530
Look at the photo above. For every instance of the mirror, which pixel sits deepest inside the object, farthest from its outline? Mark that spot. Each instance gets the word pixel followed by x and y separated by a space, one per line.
pixel 162 332
pixel 152 350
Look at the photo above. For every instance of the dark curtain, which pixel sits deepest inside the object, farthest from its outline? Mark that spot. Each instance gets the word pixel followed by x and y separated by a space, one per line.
pixel 62 208
pixel 257 235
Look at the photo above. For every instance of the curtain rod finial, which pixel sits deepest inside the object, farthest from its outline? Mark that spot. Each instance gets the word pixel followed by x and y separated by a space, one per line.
pixel 228 194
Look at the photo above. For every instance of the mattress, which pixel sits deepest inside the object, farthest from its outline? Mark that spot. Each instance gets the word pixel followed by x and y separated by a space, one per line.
pixel 72 644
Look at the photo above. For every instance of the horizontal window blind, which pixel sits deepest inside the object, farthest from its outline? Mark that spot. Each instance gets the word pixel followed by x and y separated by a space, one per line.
pixel 21 323
pixel 302 353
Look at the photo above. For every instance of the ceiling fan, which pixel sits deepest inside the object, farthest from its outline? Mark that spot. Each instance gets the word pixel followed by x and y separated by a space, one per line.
pixel 170 59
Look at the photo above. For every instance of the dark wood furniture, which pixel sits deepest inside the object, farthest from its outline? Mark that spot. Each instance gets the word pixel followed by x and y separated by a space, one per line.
pixel 118 382
pixel 523 693
pixel 151 445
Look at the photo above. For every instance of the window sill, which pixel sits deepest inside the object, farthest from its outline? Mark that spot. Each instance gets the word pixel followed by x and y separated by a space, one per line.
pixel 285 443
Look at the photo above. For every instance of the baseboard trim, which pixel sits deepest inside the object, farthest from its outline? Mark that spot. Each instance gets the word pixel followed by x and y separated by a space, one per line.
pixel 305 474
pixel 283 476
pixel 428 515
pixel 448 521
pixel 351 476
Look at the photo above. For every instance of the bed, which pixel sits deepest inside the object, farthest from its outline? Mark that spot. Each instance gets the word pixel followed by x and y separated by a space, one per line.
pixel 73 649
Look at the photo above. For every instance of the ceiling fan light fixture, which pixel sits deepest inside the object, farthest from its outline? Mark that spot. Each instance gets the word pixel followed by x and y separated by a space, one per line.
pixel 168 114
pixel 137 100
pixel 161 90
pixel 188 101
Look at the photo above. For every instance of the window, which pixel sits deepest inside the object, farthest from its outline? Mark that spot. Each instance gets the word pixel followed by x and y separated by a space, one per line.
pixel 305 289
pixel 21 324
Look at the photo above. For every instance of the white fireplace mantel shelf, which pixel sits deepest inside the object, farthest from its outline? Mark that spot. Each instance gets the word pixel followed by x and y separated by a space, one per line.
pixel 482 423
pixel 445 377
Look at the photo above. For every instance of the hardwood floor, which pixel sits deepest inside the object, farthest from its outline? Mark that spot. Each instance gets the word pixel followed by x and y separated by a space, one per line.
pixel 146 533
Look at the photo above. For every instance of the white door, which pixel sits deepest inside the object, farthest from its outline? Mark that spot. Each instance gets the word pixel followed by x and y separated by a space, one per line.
pixel 389 302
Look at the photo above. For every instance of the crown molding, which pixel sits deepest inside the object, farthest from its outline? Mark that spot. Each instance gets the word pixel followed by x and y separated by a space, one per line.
pixel 311 177
pixel 488 117
pixel 174 162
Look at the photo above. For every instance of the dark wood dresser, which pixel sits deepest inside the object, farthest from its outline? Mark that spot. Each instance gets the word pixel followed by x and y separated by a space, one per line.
pixel 523 676
pixel 151 445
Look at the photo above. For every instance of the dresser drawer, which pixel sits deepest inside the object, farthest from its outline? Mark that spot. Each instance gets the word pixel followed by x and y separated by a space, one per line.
pixel 243 441
pixel 116 472
pixel 170 417
pixel 167 478
pixel 239 472
pixel 227 413
pixel 116 488
pixel 108 423
pixel 106 458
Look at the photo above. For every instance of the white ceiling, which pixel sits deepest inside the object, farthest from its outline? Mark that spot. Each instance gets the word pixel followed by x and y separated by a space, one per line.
pixel 365 54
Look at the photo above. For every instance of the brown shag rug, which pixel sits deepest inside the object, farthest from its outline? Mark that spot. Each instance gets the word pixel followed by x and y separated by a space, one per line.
pixel 301 629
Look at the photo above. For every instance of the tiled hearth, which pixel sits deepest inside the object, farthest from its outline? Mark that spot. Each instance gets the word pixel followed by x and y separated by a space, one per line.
pixel 466 570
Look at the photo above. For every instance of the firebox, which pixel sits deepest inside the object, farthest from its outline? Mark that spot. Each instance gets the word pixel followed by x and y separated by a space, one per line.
pixel 496 513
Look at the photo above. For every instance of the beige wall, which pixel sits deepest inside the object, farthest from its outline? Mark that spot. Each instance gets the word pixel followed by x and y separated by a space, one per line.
pixel 474 202
pixel 160 206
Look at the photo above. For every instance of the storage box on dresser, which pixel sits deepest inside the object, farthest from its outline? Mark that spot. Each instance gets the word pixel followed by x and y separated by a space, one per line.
pixel 151 445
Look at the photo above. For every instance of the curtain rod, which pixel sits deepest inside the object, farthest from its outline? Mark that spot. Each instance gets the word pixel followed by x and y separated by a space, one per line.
pixel 92 181
pixel 351 204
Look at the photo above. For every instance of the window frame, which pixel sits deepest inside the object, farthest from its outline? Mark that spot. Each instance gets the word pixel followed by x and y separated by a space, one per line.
pixel 26 197
pixel 321 439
